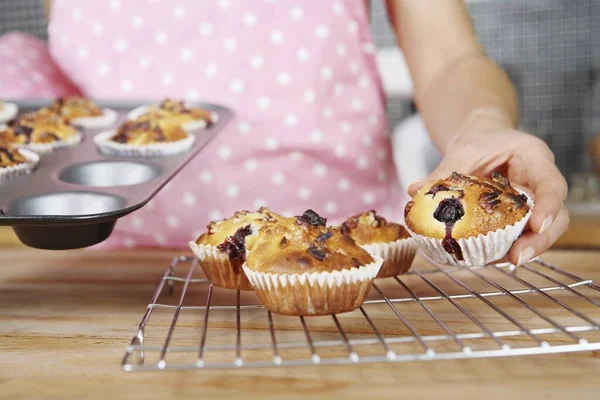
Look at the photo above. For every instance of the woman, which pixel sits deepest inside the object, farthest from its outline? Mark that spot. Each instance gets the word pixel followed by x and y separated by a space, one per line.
pixel 311 128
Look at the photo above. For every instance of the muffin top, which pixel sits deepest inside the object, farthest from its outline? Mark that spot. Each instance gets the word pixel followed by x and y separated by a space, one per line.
pixel 237 234
pixel 71 107
pixel 10 156
pixel 463 206
pixel 178 111
pixel 147 130
pixel 368 227
pixel 304 245
pixel 40 126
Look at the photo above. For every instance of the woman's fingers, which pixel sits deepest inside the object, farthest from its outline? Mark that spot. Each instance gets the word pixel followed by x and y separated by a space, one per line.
pixel 532 244
pixel 550 189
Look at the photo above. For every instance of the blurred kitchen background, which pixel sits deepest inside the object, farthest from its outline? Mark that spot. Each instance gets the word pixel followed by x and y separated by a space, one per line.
pixel 550 49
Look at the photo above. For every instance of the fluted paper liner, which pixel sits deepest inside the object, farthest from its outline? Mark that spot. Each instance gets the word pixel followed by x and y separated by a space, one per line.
pixel 218 269
pixel 188 126
pixel 480 250
pixel 317 293
pixel 106 120
pixel 108 147
pixel 23 168
pixel 8 112
pixel 43 148
pixel 397 256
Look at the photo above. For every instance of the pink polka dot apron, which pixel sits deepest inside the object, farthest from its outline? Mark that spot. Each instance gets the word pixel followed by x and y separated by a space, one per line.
pixel 310 130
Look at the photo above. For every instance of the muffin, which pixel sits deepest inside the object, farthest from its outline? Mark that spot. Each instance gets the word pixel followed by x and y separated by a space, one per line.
pixel 467 220
pixel 300 267
pixel 146 136
pixel 190 118
pixel 8 111
pixel 14 161
pixel 387 240
pixel 82 112
pixel 40 131
pixel 222 249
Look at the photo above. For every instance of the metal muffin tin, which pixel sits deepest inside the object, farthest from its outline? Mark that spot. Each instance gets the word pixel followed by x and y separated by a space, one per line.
pixel 76 195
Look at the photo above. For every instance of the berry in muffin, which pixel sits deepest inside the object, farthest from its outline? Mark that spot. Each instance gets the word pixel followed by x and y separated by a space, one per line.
pixel 467 220
pixel 384 239
pixel 300 267
pixel 222 249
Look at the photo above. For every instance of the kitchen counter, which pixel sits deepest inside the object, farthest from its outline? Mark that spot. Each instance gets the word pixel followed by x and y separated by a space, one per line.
pixel 66 317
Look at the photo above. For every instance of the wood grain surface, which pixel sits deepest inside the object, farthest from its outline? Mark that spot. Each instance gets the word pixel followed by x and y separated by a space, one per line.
pixel 66 318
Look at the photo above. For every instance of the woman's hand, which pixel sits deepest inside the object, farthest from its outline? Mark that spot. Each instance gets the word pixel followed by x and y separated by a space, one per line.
pixel 486 143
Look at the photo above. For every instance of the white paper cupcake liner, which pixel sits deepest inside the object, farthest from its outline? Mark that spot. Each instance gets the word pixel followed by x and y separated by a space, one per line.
pixel 480 250
pixel 397 256
pixel 109 147
pixel 8 112
pixel 218 269
pixel 21 169
pixel 106 120
pixel 317 293
pixel 43 148
pixel 188 126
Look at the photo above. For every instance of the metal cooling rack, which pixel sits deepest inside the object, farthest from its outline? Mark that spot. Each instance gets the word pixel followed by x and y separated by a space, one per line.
pixel 431 313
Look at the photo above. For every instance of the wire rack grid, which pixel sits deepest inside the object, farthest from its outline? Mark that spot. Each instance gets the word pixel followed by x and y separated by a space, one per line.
pixel 431 313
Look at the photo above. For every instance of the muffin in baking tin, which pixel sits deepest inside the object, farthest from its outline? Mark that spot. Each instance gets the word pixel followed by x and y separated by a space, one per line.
pixel 147 136
pixel 82 112
pixel 223 248
pixel 189 117
pixel 14 161
pixel 300 267
pixel 41 131
pixel 468 220
pixel 388 240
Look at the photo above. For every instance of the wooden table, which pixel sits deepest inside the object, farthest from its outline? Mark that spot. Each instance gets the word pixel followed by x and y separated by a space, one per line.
pixel 66 317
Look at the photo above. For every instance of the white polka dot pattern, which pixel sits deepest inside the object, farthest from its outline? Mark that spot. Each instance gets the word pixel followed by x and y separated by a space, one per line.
pixel 310 128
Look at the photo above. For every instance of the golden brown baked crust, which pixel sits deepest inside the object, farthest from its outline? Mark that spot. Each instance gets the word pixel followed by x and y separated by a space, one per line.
pixel 41 126
pixel 304 245
pixel 368 227
pixel 179 112
pixel 463 206
pixel 10 156
pixel 148 129
pixel 71 107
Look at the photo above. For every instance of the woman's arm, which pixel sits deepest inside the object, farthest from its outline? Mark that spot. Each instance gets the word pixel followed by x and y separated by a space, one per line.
pixel 470 109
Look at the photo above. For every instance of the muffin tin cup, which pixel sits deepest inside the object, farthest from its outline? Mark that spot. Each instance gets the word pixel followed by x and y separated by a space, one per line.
pixel 317 293
pixel 8 112
pixel 44 148
pixel 480 250
pixel 108 147
pixel 397 256
pixel 218 269
pixel 188 126
pixel 21 169
pixel 106 120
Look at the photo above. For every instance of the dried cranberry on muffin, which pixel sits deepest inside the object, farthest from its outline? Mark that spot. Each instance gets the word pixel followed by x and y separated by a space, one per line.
pixel 41 131
pixel 15 162
pixel 82 112
pixel 467 220
pixel 384 239
pixel 222 249
pixel 300 267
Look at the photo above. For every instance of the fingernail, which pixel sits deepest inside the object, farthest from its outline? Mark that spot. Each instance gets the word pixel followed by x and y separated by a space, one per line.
pixel 546 224
pixel 525 255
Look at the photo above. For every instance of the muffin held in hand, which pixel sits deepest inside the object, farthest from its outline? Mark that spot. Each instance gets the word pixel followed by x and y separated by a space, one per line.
pixel 467 220
pixel 384 239
pixel 300 267
pixel 222 250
